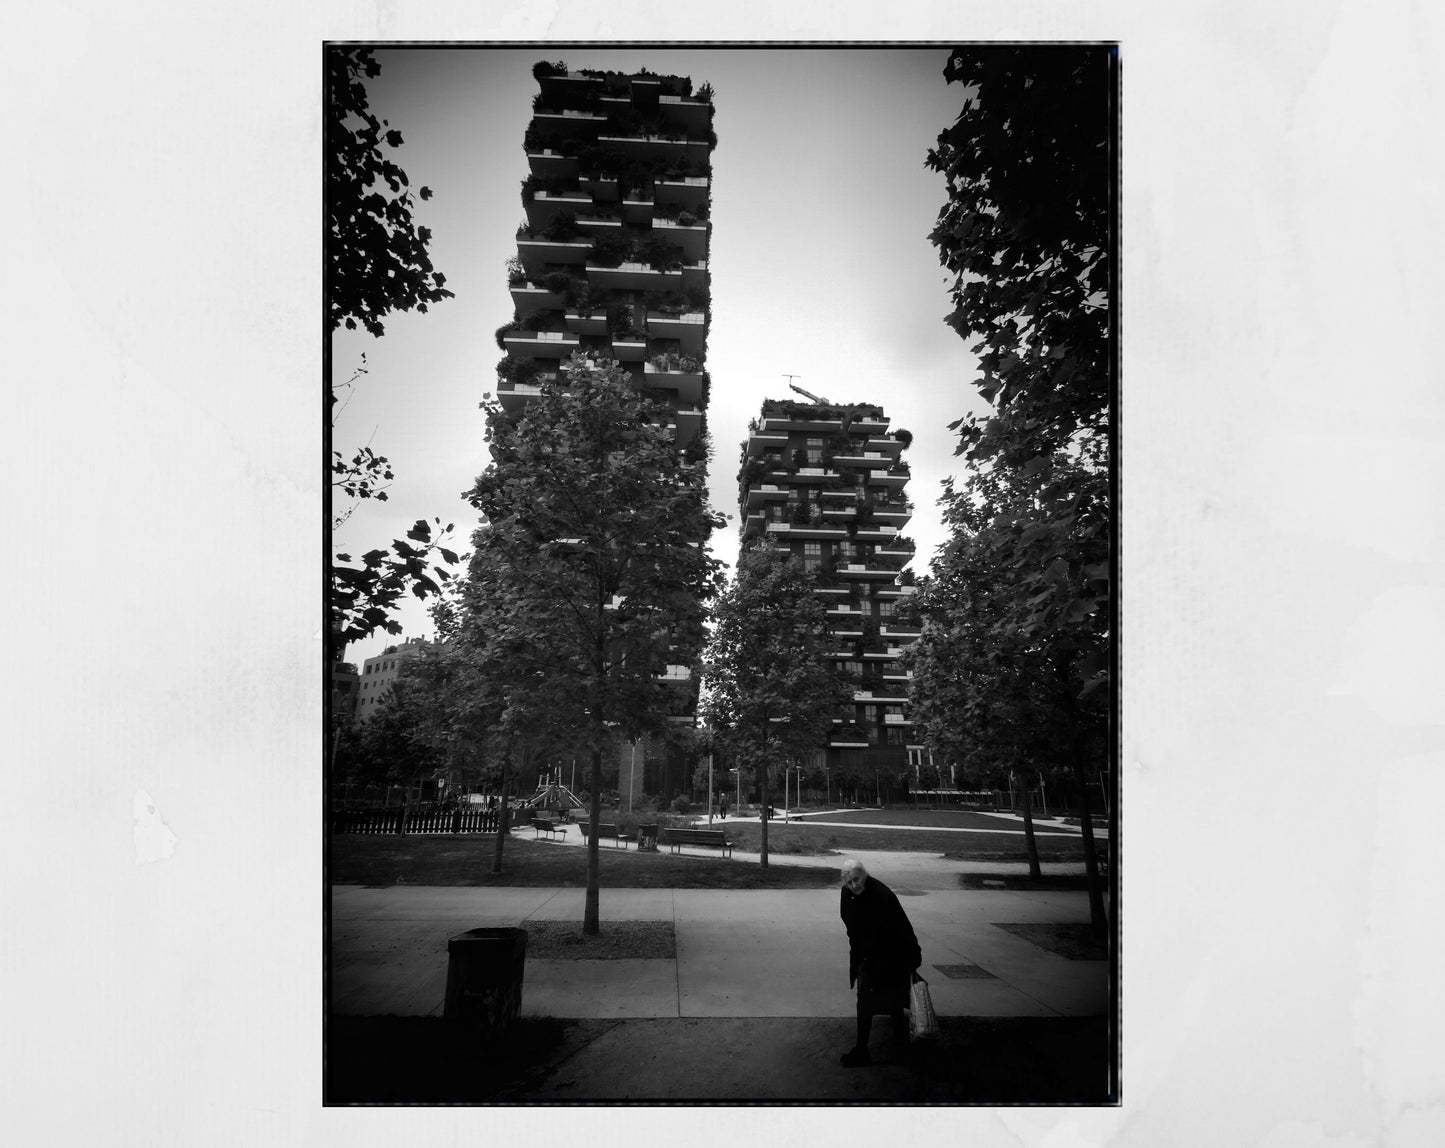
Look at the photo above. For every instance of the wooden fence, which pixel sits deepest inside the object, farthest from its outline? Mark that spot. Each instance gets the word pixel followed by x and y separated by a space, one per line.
pixel 420 819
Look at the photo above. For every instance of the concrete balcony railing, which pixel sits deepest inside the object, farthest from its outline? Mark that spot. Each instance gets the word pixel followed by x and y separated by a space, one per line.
pixel 633 276
pixel 508 391
pixel 540 344
pixel 549 163
pixel 758 443
pixel 689 191
pixel 869 458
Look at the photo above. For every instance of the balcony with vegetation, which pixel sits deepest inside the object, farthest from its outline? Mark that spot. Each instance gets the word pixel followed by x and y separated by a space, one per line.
pixel 689 191
pixel 690 239
pixel 763 493
pixel 552 163
pixel 690 114
pixel 787 414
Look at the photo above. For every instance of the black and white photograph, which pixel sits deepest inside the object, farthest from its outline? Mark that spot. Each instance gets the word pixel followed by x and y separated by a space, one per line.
pixel 735 573
pixel 754 607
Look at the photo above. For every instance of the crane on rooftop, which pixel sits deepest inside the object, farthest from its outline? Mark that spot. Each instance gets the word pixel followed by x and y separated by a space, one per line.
pixel 794 387
pixel 852 412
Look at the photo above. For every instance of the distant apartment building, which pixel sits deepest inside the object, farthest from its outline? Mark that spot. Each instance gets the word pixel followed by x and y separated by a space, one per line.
pixel 379 674
pixel 612 262
pixel 826 484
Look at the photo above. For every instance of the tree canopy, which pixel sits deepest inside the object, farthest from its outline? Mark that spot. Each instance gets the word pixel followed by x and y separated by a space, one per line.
pixel 362 598
pixel 1015 642
pixel 1015 645
pixel 1027 233
pixel 376 255
pixel 590 570
pixel 376 263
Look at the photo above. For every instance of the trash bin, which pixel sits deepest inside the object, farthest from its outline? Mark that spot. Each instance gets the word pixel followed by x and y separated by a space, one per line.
pixel 484 981
pixel 647 838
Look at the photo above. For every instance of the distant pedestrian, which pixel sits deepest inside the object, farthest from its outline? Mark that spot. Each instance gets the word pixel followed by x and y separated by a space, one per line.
pixel 724 805
pixel 882 953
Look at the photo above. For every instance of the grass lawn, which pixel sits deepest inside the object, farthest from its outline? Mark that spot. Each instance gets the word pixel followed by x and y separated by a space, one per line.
pixel 941 818
pixel 800 837
pixel 388 859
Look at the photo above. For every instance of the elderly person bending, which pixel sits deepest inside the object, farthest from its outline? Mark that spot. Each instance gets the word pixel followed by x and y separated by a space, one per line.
pixel 882 952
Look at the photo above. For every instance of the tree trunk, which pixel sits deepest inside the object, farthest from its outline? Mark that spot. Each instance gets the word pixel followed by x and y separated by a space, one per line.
pixel 1097 917
pixel 591 922
pixel 763 799
pixel 502 816
pixel 1030 845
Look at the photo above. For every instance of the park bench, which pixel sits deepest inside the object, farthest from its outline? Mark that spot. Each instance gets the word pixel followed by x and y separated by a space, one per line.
pixel 541 825
pixel 604 831
pixel 715 838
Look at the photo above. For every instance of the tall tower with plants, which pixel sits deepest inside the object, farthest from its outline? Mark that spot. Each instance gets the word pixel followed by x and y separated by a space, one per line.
pixel 826 483
pixel 612 263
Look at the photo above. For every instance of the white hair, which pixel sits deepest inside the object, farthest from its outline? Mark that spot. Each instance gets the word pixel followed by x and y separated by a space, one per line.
pixel 853 865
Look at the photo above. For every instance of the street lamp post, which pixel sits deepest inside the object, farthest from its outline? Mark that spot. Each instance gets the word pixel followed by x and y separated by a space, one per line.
pixel 631 776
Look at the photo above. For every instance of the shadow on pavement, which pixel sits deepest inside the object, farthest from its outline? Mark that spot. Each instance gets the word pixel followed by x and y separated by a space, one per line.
pixel 409 1060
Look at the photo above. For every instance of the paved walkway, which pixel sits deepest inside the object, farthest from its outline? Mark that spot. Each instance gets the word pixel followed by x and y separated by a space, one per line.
pixel 740 953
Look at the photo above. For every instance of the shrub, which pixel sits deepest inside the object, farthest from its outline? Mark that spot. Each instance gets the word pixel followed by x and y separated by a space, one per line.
pixel 517 370
pixel 543 68
pixel 680 804
pixel 609 250
pixel 562 227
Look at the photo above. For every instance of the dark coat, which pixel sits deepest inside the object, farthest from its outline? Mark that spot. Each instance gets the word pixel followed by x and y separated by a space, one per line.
pixel 882 950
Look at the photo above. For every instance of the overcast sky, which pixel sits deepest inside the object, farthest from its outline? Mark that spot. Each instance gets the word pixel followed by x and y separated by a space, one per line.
pixel 821 265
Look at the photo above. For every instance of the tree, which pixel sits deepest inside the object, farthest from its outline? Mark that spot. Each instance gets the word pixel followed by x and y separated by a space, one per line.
pixel 1026 231
pixel 592 563
pixel 390 745
pixel 772 686
pixel 1021 601
pixel 376 263
pixel 1014 648
pixel 376 255
pixel 478 713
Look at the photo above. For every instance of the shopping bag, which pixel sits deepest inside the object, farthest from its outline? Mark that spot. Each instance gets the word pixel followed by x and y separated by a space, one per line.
pixel 922 1020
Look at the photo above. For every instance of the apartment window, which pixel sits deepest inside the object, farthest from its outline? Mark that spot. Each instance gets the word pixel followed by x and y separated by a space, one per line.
pixel 812 555
pixel 815 452
pixel 885 609
pixel 893 736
